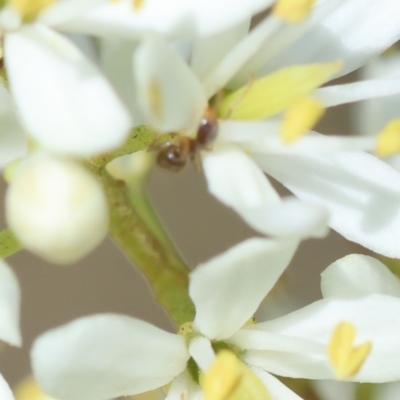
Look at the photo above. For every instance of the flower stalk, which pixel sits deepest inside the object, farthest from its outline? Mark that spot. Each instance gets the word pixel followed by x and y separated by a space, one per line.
pixel 151 253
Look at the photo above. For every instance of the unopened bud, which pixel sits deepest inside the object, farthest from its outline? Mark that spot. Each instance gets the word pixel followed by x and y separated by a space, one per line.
pixel 56 208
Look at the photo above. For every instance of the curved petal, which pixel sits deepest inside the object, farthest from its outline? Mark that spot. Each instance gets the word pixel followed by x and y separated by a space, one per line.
pixel 376 319
pixel 361 193
pixel 105 356
pixel 10 299
pixel 63 11
pixel 13 142
pixel 339 29
pixel 208 51
pixel 169 93
pixel 116 62
pixel 228 289
pixel 264 137
pixel 276 389
pixel 357 275
pixel 183 387
pixel 364 90
pixel 234 179
pixel 175 19
pixel 64 101
pixel 5 391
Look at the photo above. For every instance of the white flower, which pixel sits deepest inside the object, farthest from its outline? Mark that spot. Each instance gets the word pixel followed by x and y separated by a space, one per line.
pixel 64 101
pixel 10 298
pixel 102 356
pixel 56 208
pixel 324 172
pixel 177 19
pixel 5 391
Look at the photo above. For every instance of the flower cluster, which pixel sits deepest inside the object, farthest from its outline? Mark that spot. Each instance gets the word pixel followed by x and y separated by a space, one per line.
pixel 83 78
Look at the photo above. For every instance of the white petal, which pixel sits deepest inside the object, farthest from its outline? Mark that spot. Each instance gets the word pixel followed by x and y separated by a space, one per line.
pixel 236 181
pixel 104 356
pixel 10 298
pixel 208 51
pixel 64 101
pixel 360 191
pixel 66 10
pixel 363 90
pixel 202 352
pixel 228 289
pixel 289 219
pixel 264 137
pixel 376 319
pixel 56 208
pixel 358 275
pixel 184 388
pixel 345 30
pixel 369 117
pixel 276 389
pixel 13 142
pixel 177 19
pixel 169 93
pixel 116 62
pixel 5 391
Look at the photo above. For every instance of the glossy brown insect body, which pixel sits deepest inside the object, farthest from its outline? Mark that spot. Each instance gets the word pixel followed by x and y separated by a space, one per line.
pixel 174 154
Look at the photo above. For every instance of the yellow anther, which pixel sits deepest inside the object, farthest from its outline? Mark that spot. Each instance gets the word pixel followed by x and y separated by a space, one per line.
pixel 276 92
pixel 137 4
pixel 185 328
pixel 345 358
pixel 29 9
pixel 28 389
pixel 155 97
pixel 300 118
pixel 229 379
pixel 293 11
pixel 388 141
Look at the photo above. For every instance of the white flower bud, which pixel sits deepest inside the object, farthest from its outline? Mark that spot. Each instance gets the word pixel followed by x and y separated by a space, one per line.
pixel 56 208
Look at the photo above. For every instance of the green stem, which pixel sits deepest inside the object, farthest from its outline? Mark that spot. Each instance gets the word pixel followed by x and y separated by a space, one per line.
pixel 365 391
pixel 166 273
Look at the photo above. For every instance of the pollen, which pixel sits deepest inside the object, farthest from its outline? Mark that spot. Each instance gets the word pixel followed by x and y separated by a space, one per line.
pixel 346 358
pixel 29 9
pixel 388 141
pixel 300 118
pixel 293 11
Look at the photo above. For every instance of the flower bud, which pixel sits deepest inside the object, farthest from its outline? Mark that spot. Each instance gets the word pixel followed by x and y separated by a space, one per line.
pixel 56 208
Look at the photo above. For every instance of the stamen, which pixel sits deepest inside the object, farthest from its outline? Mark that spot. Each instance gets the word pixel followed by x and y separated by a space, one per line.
pixel 293 11
pixel 29 9
pixel 229 378
pixel 277 92
pixel 185 328
pixel 155 97
pixel 345 358
pixel 300 118
pixel 388 141
pixel 222 377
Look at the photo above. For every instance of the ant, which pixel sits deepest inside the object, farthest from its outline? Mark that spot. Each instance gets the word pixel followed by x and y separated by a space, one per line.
pixel 173 154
